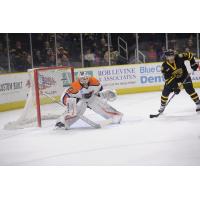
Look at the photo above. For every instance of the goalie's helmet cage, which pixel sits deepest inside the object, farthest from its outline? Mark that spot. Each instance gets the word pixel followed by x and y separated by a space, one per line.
pixel 47 80
pixel 83 78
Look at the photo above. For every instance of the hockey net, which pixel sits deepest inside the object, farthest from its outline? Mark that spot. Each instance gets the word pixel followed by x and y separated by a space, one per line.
pixel 44 82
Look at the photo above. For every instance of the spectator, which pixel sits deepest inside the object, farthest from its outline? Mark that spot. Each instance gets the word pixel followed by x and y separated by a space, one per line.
pixel 96 47
pixel 26 57
pixel 37 59
pixel 18 58
pixel 65 61
pixel 151 54
pixel 45 49
pixel 98 59
pixel 89 58
pixel 114 56
pixel 103 45
pixel 63 57
pixel 61 51
pixel 160 53
pixel 190 46
pixel 50 58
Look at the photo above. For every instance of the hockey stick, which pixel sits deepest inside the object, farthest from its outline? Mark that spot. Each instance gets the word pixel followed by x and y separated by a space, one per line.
pixel 157 115
pixel 83 118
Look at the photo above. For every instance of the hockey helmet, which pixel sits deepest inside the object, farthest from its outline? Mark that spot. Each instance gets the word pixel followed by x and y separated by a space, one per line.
pixel 169 52
pixel 83 78
pixel 170 55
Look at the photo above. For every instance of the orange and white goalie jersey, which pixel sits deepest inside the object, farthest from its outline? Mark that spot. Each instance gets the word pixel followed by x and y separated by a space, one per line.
pixel 78 98
pixel 76 90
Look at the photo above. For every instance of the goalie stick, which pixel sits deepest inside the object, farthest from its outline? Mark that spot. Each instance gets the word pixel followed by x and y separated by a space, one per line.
pixel 157 115
pixel 83 118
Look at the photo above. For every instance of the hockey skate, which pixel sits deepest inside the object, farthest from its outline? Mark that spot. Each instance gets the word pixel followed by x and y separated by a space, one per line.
pixel 161 109
pixel 198 106
pixel 61 125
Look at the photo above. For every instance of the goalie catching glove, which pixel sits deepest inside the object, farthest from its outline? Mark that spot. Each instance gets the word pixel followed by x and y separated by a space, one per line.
pixel 109 95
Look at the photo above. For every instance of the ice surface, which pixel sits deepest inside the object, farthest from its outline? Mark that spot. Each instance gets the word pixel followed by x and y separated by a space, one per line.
pixel 171 139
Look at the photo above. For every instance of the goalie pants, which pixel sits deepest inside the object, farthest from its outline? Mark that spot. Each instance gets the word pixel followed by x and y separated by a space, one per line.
pixel 96 104
pixel 188 86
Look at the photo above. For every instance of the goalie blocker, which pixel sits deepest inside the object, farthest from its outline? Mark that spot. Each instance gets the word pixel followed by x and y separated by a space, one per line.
pixel 87 92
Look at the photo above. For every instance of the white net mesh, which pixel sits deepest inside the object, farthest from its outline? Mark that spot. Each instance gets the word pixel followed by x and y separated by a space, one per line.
pixel 51 82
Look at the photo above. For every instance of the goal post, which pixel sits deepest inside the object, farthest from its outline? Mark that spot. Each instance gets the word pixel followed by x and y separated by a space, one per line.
pixel 49 80
pixel 37 86
pixel 37 97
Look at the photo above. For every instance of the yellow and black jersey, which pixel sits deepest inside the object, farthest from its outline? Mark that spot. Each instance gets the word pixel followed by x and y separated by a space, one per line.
pixel 177 71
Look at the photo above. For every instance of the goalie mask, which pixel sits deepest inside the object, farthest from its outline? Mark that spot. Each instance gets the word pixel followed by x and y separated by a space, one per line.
pixel 83 79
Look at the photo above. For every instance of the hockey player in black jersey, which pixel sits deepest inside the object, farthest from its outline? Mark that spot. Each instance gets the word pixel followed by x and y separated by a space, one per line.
pixel 175 72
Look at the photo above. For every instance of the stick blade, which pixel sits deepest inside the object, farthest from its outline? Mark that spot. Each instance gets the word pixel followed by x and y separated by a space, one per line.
pixel 153 116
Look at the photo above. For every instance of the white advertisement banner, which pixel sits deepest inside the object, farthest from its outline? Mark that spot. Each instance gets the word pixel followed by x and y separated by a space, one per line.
pixel 129 76
pixel 150 75
pixel 15 87
pixel 114 77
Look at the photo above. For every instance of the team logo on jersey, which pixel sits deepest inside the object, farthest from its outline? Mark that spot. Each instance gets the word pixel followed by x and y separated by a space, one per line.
pixel 178 73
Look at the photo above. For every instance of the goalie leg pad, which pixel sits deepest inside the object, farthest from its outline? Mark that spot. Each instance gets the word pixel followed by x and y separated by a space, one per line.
pixel 68 118
pixel 105 110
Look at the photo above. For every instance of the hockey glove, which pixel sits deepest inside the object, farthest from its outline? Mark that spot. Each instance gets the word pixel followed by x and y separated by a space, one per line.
pixel 88 95
pixel 109 95
pixel 176 90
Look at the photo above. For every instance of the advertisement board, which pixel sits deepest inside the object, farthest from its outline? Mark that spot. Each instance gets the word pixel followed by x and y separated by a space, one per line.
pixel 114 77
pixel 125 79
pixel 13 87
pixel 131 76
